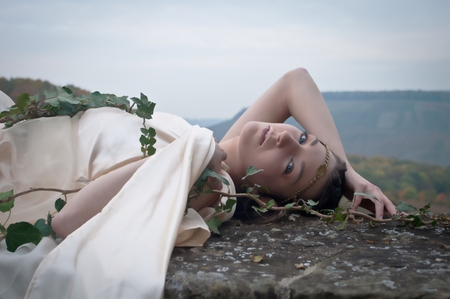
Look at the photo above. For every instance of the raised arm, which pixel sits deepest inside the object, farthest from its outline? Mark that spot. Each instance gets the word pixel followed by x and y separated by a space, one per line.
pixel 296 94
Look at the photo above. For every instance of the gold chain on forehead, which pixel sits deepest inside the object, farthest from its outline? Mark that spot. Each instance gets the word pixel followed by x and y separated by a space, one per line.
pixel 321 171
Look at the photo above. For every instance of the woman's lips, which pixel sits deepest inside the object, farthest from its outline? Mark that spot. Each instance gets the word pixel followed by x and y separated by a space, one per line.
pixel 264 135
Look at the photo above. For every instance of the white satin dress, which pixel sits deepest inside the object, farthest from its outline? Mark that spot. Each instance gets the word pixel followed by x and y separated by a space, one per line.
pixel 124 251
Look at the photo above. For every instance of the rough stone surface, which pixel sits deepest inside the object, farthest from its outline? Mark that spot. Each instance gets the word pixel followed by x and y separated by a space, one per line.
pixel 307 258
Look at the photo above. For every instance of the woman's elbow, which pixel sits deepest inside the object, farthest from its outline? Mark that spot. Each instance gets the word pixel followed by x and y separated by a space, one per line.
pixel 296 74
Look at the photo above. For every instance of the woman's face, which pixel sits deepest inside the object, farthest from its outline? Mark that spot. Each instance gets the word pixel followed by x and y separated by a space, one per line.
pixel 288 156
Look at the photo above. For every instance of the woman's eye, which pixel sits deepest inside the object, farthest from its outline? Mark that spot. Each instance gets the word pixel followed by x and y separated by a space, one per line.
pixel 289 168
pixel 303 138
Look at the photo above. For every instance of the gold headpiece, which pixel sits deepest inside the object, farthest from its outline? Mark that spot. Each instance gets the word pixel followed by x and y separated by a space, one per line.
pixel 321 171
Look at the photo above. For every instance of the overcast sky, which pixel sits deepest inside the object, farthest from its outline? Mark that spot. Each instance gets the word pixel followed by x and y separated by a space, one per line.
pixel 203 59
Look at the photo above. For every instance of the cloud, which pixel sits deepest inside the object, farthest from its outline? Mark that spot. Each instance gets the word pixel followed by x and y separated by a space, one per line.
pixel 180 47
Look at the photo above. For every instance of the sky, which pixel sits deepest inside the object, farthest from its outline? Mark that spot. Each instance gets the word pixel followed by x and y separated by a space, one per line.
pixel 209 59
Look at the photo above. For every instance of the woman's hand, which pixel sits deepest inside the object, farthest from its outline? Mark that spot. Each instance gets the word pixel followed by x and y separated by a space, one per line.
pixel 217 158
pixel 365 194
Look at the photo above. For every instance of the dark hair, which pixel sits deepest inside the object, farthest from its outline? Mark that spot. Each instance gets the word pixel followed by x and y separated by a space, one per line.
pixel 328 199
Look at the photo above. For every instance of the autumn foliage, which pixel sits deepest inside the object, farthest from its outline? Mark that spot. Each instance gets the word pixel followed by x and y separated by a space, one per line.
pixel 406 180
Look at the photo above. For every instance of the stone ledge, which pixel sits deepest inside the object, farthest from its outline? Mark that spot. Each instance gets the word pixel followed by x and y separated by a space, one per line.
pixel 357 262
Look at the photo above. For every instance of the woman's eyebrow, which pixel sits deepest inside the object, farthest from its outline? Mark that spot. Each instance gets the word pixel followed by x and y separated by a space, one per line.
pixel 315 142
pixel 302 168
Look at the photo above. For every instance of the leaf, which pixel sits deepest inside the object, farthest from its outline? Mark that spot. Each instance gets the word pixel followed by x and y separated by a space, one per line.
pixel 338 214
pixel 256 258
pixel 214 224
pixel 311 202
pixel 211 173
pixel 264 189
pixel 144 131
pixel 21 233
pixel 259 209
pixel 424 209
pixel 144 140
pixel 59 204
pixel 407 208
pixel 151 151
pixel 229 205
pixel 270 204
pixel 44 228
pixel 151 132
pixel 6 206
pixel 67 89
pixel 251 170
pixel 152 141
pixel 343 224
pixel 289 206
pixel 22 101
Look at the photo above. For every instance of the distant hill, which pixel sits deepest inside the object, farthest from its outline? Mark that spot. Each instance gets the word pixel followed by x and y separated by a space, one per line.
pixel 14 87
pixel 407 125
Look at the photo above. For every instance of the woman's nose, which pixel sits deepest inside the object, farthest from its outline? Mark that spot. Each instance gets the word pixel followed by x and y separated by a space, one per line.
pixel 285 139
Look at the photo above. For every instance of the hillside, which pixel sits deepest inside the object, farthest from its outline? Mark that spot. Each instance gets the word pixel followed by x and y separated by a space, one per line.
pixel 407 125
pixel 14 87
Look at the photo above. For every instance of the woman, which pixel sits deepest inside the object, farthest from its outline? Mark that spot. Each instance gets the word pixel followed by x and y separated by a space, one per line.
pixel 289 158
pixel 295 165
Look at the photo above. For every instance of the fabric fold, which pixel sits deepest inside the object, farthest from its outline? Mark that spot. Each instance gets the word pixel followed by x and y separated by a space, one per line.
pixel 123 252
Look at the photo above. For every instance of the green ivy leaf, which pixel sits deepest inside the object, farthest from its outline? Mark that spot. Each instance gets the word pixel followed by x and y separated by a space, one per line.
pixel 151 151
pixel 211 173
pixel 151 132
pixel 259 210
pixel 214 224
pixel 343 224
pixel 22 101
pixel 21 233
pixel 270 204
pixel 229 205
pixel 67 89
pixel 144 140
pixel 144 131
pixel 311 202
pixel 59 204
pixel 6 206
pixel 251 170
pixel 289 206
pixel 338 214
pixel 44 228
pixel 424 209
pixel 407 208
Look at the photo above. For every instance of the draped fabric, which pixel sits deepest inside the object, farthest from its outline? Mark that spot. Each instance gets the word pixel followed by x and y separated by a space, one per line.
pixel 124 250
